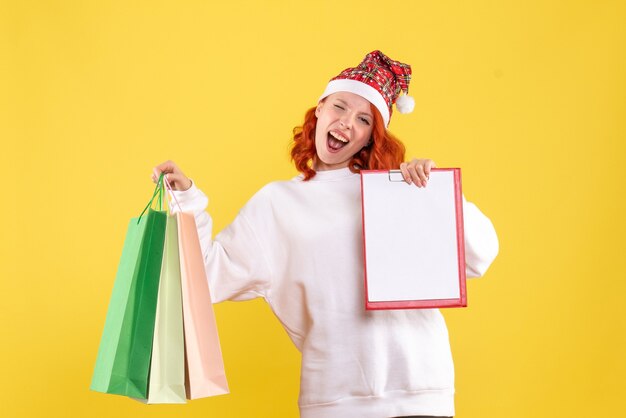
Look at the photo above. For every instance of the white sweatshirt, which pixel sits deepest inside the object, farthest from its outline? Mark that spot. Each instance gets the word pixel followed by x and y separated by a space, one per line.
pixel 298 245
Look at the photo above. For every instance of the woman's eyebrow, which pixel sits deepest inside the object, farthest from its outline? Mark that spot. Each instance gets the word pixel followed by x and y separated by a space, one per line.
pixel 343 102
pixel 366 114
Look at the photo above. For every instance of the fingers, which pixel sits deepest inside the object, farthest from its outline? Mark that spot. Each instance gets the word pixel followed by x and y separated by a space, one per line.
pixel 178 181
pixel 428 165
pixel 405 173
pixel 417 171
pixel 417 174
pixel 173 174
pixel 166 167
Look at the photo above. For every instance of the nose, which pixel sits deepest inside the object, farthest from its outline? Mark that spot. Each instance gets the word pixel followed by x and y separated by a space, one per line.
pixel 346 120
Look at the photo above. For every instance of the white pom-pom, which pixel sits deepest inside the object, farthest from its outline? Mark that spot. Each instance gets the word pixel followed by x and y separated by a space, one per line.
pixel 405 104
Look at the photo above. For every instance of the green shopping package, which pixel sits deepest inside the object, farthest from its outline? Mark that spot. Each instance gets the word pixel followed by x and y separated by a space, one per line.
pixel 123 362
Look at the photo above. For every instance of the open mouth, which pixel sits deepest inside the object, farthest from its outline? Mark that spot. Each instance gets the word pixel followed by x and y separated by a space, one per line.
pixel 336 141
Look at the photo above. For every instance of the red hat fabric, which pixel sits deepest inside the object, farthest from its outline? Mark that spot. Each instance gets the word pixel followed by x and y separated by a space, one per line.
pixel 378 79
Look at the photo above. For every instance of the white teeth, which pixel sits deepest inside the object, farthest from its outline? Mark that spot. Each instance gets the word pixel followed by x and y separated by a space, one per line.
pixel 340 138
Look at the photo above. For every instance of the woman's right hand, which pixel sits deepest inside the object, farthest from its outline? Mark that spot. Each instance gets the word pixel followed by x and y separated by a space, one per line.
pixel 173 174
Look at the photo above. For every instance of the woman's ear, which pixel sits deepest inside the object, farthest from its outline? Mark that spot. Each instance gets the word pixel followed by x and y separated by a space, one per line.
pixel 318 108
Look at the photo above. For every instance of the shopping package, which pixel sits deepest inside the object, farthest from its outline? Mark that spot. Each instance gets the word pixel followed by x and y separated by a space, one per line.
pixel 167 366
pixel 160 341
pixel 205 366
pixel 123 360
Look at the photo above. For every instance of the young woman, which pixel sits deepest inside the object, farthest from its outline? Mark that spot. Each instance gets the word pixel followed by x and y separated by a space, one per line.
pixel 297 244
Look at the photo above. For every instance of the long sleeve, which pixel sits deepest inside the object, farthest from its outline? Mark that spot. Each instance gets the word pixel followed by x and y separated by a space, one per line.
pixel 235 264
pixel 481 241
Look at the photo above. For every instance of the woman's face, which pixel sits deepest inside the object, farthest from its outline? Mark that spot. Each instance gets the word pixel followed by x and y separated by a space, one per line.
pixel 344 126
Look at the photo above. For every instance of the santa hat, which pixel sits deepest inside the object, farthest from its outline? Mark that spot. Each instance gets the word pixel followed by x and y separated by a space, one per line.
pixel 378 79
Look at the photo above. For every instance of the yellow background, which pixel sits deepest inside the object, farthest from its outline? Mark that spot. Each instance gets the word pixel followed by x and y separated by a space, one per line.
pixel 527 97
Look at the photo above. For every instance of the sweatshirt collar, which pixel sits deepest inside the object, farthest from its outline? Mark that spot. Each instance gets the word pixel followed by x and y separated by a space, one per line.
pixel 331 175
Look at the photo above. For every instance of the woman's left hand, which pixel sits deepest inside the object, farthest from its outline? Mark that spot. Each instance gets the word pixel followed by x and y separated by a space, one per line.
pixel 417 171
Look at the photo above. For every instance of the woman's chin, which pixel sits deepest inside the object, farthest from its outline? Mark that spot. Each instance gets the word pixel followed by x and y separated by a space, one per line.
pixel 324 164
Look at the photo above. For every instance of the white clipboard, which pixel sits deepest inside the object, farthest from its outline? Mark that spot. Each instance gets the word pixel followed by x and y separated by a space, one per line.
pixel 414 252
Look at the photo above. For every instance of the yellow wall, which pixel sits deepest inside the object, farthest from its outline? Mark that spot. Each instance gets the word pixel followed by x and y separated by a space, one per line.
pixel 527 97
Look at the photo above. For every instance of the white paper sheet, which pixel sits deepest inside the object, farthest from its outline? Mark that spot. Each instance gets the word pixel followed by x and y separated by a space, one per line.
pixel 411 238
